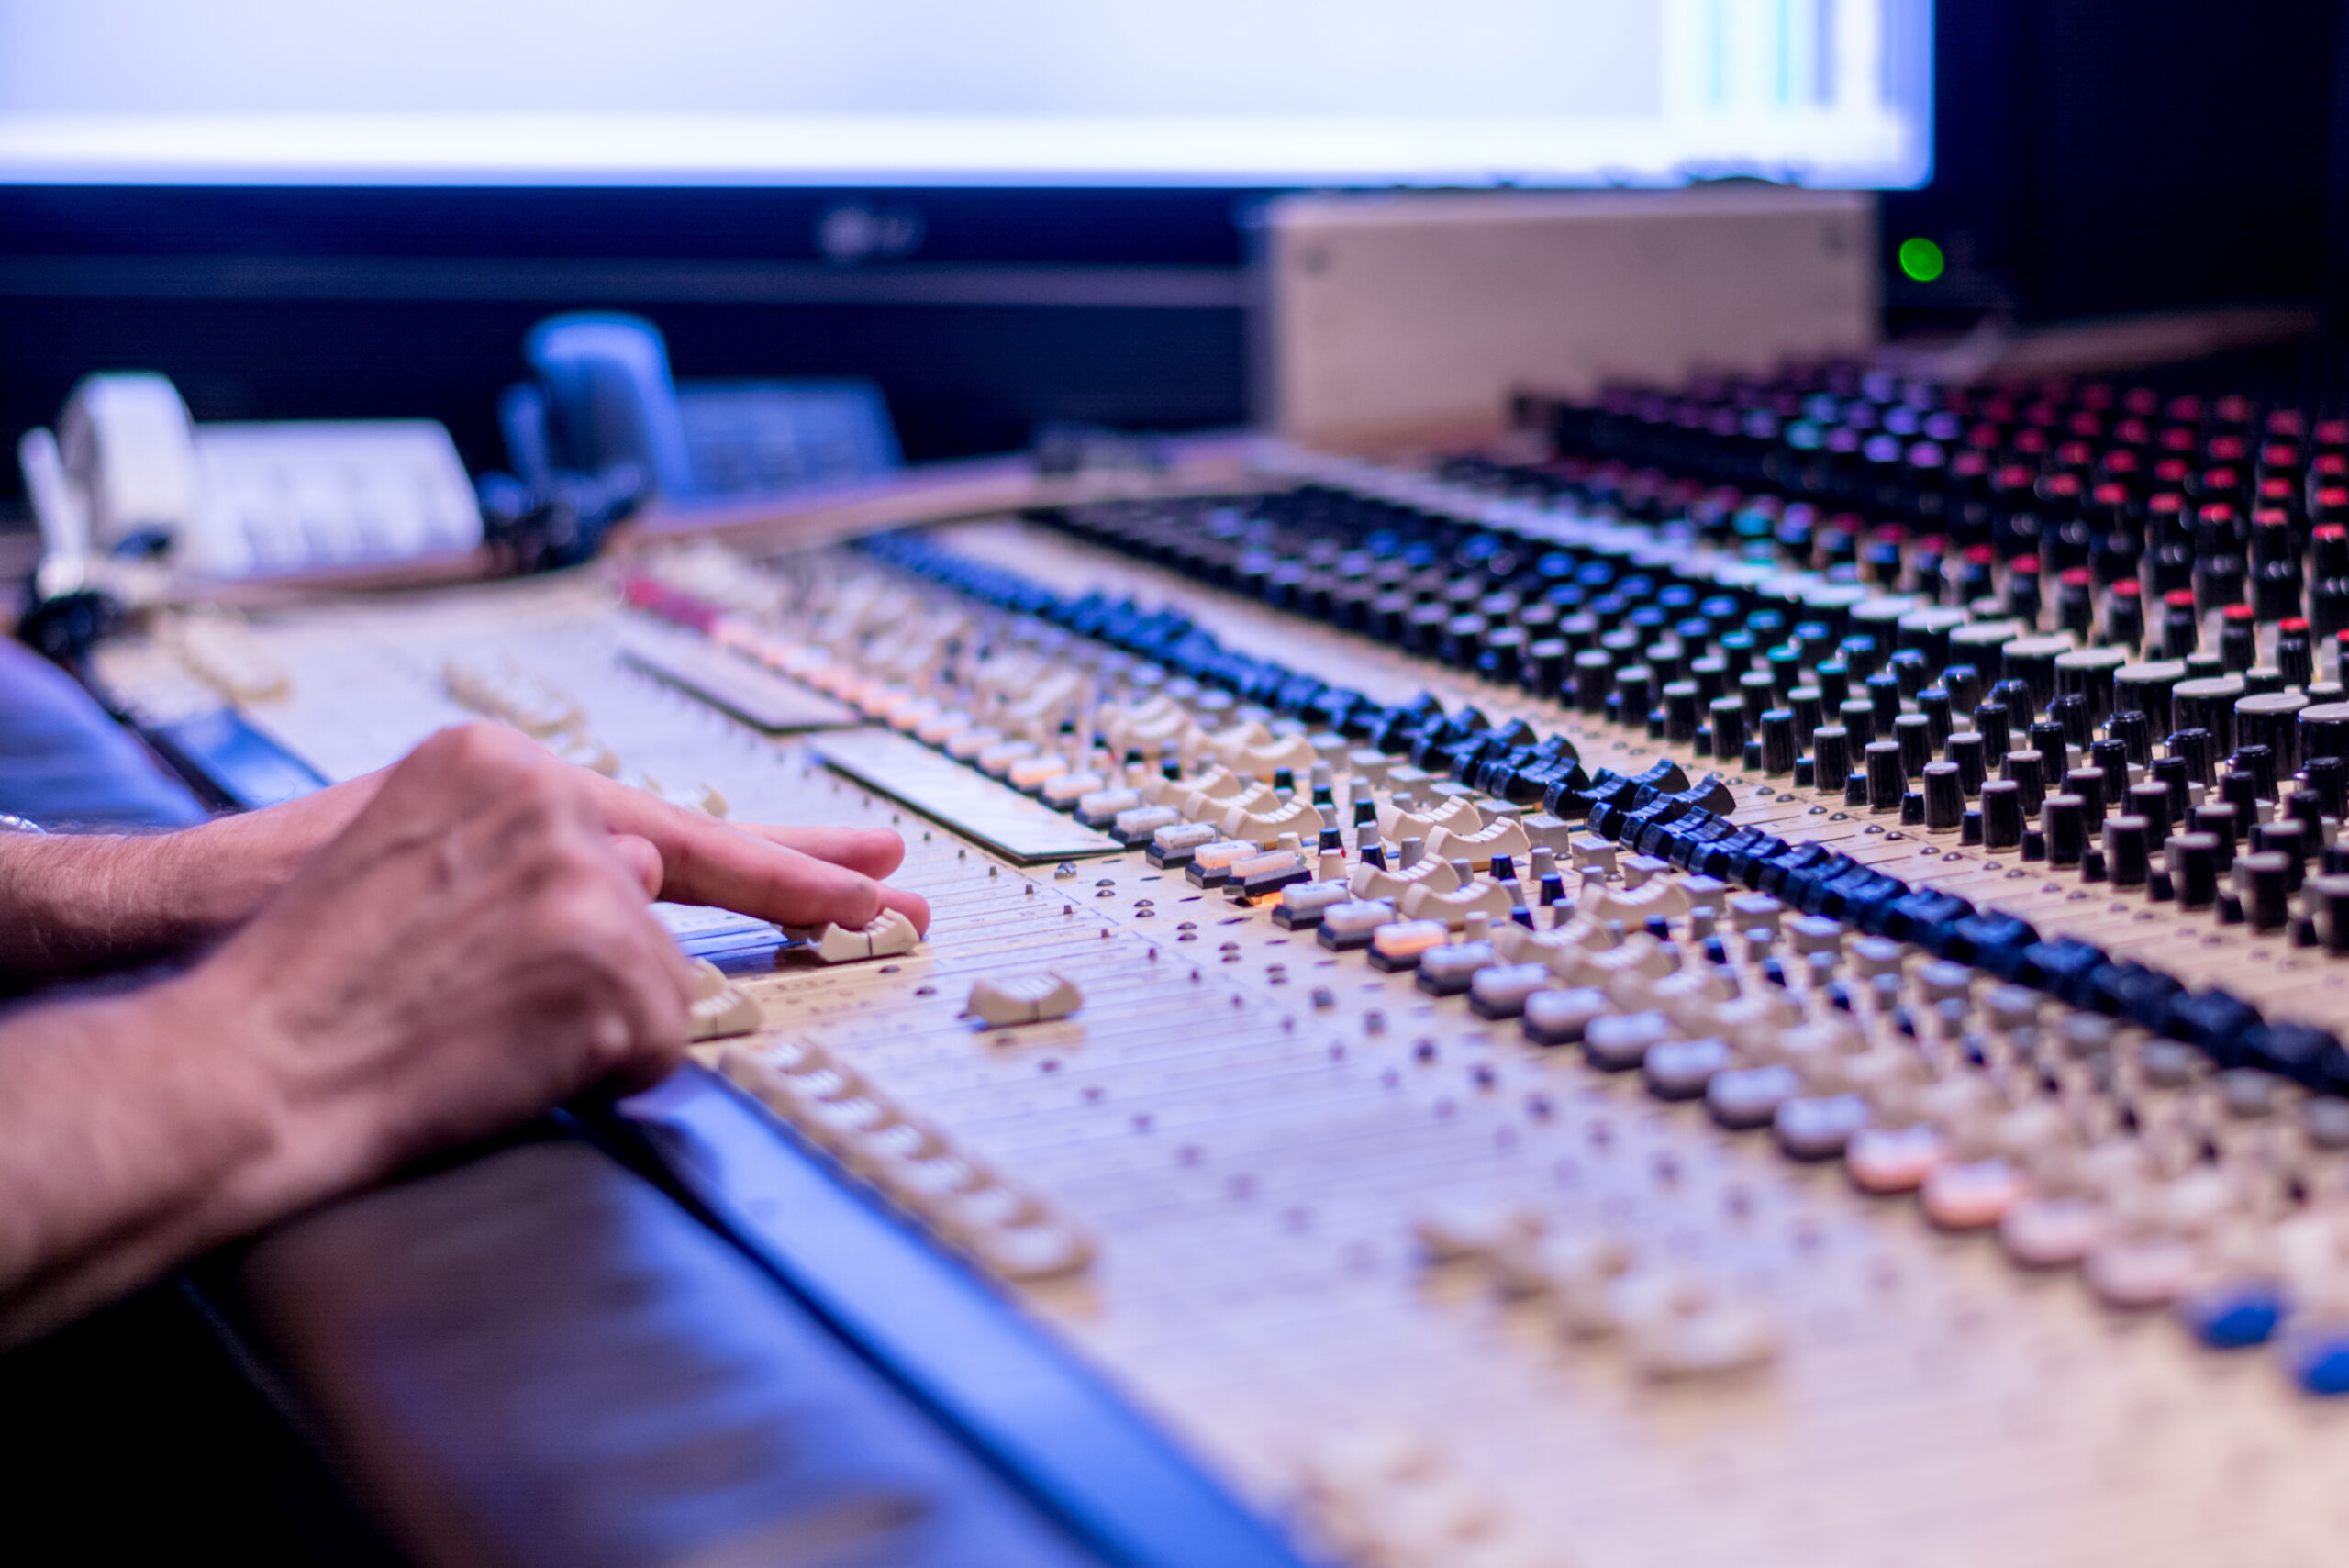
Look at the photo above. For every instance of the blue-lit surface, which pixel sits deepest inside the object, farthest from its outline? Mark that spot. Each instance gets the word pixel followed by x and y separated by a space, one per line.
pixel 949 1337
pixel 248 767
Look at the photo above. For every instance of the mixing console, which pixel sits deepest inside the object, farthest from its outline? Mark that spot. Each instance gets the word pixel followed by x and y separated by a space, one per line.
pixel 1757 985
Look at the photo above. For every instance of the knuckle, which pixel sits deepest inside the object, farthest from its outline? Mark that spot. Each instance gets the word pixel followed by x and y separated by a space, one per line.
pixel 476 765
pixel 470 748
pixel 536 784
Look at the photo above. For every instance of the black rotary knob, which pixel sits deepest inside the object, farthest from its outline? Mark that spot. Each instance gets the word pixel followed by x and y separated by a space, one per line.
pixel 2086 787
pixel 2260 764
pixel 1680 712
pixel 2061 819
pixel 2047 739
pixel 2238 641
pixel 1990 723
pixel 1633 701
pixel 2273 721
pixel 2112 758
pixel 2150 801
pixel 2324 731
pixel 1594 679
pixel 1424 629
pixel 2200 750
pixel 2124 852
pixel 2033 659
pixel 1504 658
pixel 2124 617
pixel 2002 814
pixel 2135 733
pixel 1808 706
pixel 1778 741
pixel 1546 673
pixel 1464 641
pixel 1928 631
pixel 2022 706
pixel 2328 781
pixel 1728 718
pixel 2329 898
pixel 1831 756
pixel 2209 704
pixel 2266 900
pixel 1887 782
pixel 1944 797
pixel 1883 695
pixel 2295 658
pixel 1963 684
pixel 2027 770
pixel 2289 839
pixel 2146 688
pixel 2224 824
pixel 2071 712
pixel 2239 787
pixel 1858 720
pixel 2088 673
pixel 2193 860
pixel 2170 774
pixel 1933 703
pixel 1983 644
pixel 1834 679
pixel 1910 672
pixel 1912 732
pixel 1967 752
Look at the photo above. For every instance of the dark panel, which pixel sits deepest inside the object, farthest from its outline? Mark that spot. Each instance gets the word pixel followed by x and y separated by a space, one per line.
pixel 959 379
pixel 533 1360
pixel 131 1437
pixel 2096 157
pixel 1157 226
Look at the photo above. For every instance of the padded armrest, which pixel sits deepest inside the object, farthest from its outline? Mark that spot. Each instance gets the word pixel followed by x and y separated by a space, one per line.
pixel 536 1360
pixel 63 761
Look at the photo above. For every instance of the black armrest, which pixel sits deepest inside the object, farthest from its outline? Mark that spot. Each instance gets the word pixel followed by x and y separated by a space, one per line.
pixel 537 1360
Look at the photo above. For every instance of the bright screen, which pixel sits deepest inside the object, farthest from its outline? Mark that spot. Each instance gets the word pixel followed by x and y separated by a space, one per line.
pixel 1249 93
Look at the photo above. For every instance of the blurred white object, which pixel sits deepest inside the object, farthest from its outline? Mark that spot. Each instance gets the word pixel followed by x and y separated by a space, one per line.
pixel 1411 318
pixel 128 469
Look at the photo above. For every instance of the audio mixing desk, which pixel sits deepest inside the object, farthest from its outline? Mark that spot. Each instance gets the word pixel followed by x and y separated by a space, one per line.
pixel 1553 1013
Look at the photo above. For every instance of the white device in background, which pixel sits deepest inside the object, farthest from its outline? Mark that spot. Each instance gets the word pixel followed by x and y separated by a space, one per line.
pixel 128 473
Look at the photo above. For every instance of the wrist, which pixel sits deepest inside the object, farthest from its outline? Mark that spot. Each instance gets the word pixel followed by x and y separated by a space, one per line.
pixel 209 1044
pixel 210 879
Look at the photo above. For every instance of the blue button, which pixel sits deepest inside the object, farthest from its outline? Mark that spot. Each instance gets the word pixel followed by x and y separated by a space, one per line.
pixel 2321 1365
pixel 2233 1318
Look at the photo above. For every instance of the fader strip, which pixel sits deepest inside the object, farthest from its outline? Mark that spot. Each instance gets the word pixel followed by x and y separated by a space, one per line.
pixel 1582 1203
pixel 1978 1189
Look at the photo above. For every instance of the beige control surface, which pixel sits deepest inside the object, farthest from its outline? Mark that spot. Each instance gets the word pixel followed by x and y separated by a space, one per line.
pixel 1436 1295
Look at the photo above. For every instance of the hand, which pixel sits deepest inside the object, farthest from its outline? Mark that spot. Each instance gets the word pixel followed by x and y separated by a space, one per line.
pixel 794 877
pixel 469 950
pixel 472 948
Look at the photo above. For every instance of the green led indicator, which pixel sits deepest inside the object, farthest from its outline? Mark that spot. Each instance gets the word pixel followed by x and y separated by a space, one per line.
pixel 1921 258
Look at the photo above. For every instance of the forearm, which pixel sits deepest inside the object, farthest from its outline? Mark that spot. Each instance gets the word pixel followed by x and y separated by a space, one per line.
pixel 72 902
pixel 125 1149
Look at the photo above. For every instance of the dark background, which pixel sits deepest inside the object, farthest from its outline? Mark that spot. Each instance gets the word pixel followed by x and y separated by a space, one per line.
pixel 2093 157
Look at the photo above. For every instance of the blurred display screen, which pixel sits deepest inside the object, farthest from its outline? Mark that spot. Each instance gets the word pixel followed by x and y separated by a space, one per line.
pixel 1245 92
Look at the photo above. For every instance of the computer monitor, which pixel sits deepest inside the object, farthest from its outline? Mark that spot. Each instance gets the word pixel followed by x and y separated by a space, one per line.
pixel 869 93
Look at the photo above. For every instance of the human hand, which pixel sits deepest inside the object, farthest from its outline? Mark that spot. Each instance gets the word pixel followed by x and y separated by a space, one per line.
pixel 794 877
pixel 473 947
